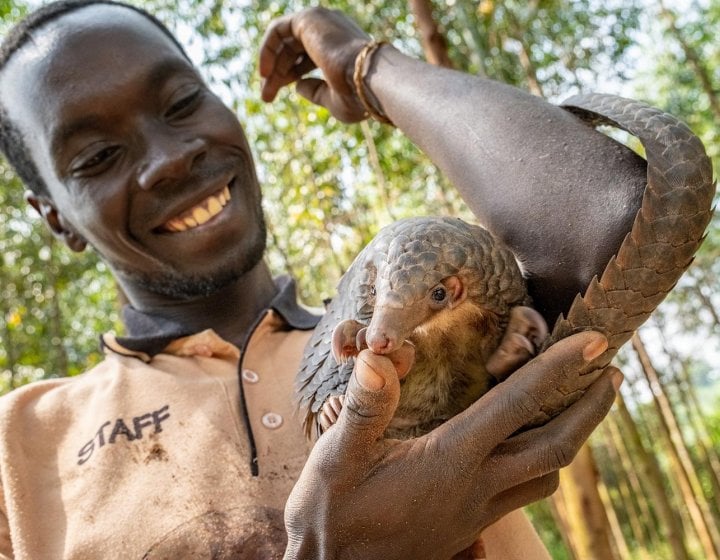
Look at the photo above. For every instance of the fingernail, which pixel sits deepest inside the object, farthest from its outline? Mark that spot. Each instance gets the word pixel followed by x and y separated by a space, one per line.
pixel 594 349
pixel 617 379
pixel 367 377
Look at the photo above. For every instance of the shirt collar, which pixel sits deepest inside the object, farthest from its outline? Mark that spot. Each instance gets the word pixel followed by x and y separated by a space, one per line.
pixel 148 335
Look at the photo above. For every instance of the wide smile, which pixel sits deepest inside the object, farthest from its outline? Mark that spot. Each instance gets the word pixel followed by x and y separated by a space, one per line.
pixel 199 214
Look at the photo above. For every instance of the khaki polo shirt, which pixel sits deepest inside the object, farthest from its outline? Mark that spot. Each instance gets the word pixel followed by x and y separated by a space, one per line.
pixel 174 447
pixel 153 456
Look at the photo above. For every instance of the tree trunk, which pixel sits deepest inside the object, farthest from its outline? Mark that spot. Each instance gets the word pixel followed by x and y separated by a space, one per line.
pixel 60 366
pixel 626 495
pixel 702 444
pixel 700 280
pixel 473 39
pixel 518 34
pixel 620 546
pixel 559 513
pixel 387 204
pixel 652 475
pixel 436 52
pixel 694 60
pixel 649 425
pixel 686 475
pixel 589 528
pixel 650 525
pixel 433 41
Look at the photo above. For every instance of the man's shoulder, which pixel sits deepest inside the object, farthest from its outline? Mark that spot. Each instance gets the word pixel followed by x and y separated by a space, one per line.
pixel 43 391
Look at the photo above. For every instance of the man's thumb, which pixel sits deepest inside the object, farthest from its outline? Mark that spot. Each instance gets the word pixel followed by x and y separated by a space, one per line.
pixel 370 401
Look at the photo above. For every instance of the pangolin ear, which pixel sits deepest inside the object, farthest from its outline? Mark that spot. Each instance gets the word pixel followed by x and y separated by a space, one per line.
pixel 456 290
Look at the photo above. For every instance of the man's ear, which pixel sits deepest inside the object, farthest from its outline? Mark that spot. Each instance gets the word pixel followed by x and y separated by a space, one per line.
pixel 55 221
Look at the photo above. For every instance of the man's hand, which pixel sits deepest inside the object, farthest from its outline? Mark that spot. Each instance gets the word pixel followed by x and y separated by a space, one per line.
pixel 362 496
pixel 314 38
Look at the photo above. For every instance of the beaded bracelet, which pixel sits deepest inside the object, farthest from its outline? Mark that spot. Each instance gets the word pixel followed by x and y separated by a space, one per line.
pixel 359 74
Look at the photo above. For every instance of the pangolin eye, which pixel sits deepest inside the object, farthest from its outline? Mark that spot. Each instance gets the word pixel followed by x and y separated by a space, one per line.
pixel 372 290
pixel 439 294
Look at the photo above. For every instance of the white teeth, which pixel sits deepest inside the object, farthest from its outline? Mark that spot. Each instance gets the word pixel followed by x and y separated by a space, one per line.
pixel 214 206
pixel 200 214
pixel 176 224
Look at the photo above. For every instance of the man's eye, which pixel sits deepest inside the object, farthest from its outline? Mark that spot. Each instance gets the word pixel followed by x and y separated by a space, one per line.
pixel 184 106
pixel 97 159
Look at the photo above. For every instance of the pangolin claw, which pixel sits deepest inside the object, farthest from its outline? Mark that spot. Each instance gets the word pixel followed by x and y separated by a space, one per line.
pixel 344 337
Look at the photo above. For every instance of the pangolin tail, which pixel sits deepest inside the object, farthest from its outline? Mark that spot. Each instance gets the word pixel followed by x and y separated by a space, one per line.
pixel 667 231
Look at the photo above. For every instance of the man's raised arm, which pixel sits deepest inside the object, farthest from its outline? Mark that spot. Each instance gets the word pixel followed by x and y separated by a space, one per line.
pixel 559 193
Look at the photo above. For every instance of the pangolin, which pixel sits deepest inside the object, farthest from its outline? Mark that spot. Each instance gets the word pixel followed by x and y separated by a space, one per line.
pixel 668 229
pixel 443 299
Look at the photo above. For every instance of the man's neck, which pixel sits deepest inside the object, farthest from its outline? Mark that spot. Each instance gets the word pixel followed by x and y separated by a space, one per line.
pixel 230 312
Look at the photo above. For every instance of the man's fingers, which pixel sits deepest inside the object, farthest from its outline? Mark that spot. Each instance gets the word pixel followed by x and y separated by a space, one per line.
pixel 370 402
pixel 550 447
pixel 314 90
pixel 524 494
pixel 528 464
pixel 320 93
pixel 286 69
pixel 543 383
pixel 282 58
pixel 287 72
pixel 274 42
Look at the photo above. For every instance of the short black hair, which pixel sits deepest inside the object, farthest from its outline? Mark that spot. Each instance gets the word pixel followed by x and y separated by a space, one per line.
pixel 12 144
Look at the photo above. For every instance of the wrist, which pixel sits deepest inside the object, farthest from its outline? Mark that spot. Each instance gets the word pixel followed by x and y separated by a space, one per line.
pixel 363 66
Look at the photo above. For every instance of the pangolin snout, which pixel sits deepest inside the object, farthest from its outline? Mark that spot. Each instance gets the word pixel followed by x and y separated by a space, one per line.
pixel 390 326
pixel 380 341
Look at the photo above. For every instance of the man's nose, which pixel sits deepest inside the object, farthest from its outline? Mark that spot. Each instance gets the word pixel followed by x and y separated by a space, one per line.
pixel 169 157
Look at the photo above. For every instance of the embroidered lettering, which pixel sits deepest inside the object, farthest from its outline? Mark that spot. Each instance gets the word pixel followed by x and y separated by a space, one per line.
pixel 120 428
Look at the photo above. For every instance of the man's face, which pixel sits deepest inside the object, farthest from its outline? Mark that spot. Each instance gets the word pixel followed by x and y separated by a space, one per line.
pixel 140 158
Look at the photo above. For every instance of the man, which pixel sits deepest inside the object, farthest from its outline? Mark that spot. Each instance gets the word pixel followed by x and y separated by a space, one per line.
pixel 182 443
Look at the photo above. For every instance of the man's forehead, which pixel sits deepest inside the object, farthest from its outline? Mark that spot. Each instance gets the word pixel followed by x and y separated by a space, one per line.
pixel 90 52
pixel 100 17
pixel 65 49
pixel 112 26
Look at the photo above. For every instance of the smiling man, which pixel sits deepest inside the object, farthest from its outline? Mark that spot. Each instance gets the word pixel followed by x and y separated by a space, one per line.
pixel 182 443
pixel 188 166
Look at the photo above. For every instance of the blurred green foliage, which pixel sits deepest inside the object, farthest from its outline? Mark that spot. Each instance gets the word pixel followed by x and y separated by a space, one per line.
pixel 329 187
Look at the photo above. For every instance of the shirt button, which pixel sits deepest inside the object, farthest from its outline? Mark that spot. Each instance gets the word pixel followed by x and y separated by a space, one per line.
pixel 250 376
pixel 272 420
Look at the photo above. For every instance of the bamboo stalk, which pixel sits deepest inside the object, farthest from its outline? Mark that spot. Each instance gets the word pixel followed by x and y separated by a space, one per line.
pixel 625 494
pixel 687 477
pixel 588 524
